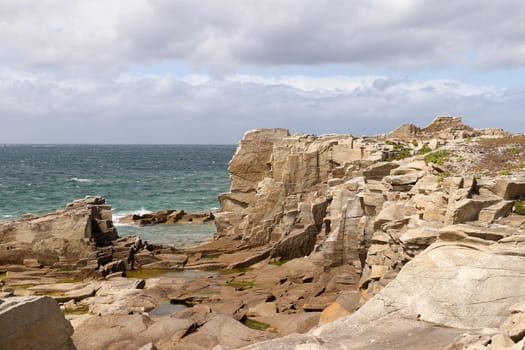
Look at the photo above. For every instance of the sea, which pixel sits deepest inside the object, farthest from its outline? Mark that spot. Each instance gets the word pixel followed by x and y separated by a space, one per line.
pixel 40 179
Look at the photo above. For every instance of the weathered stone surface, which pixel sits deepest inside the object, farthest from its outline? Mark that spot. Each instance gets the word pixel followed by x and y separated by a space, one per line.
pixel 468 209
pixel 263 310
pixel 129 331
pixel 404 179
pixel 490 214
pixel 509 189
pixel 250 162
pixel 167 261
pixel 515 326
pixel 333 312
pixel 149 346
pixel 379 170
pixel 406 132
pixel 222 330
pixel 501 341
pixel 65 234
pixel 419 236
pixel 32 263
pixel 33 323
pixel 292 323
pixel 349 223
pixel 385 333
pixel 391 211
pixel 449 127
pixel 116 296
pixel 428 184
pixel 464 231
pixel 455 286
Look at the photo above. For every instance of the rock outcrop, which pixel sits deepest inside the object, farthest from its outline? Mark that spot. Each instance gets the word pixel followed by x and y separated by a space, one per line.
pixel 64 235
pixel 392 241
pixel 33 323
pixel 168 216
pixel 432 241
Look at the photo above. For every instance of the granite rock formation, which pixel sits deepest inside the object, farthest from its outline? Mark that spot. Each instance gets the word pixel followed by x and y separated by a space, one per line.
pixel 64 235
pixel 34 323
pixel 409 240
pixel 433 239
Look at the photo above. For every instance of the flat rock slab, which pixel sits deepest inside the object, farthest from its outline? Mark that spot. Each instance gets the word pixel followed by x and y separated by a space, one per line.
pixel 386 333
pixel 57 287
pixel 128 332
pixel 222 330
pixel 454 285
pixel 292 323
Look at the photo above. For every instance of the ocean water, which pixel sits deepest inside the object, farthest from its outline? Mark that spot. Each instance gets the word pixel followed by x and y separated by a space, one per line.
pixel 133 179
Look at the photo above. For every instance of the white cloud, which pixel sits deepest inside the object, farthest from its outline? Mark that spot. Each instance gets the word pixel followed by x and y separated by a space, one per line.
pixel 67 67
pixel 341 85
pixel 165 108
pixel 101 35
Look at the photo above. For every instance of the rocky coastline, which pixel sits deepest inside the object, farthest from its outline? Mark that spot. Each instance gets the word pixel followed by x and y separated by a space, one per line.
pixel 409 240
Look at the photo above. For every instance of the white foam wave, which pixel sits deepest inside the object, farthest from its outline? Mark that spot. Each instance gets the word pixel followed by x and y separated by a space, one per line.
pixel 8 216
pixel 120 214
pixel 76 179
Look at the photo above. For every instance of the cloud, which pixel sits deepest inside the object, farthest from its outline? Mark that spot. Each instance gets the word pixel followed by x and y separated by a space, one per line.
pixel 112 35
pixel 74 71
pixel 165 108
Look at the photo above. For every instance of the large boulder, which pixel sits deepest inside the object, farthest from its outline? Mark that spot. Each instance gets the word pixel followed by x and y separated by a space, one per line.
pixel 509 188
pixel 468 209
pixel 33 323
pixel 62 235
pixel 129 331
pixel 454 285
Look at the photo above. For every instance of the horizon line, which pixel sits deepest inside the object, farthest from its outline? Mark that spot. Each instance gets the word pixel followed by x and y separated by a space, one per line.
pixel 114 144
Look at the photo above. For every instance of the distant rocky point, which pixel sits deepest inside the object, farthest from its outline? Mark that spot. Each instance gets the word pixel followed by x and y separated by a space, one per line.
pixel 168 216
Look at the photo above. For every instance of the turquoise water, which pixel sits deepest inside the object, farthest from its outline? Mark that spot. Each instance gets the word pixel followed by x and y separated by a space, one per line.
pixel 132 178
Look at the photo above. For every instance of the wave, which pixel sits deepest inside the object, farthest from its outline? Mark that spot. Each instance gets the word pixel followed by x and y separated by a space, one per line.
pixel 8 216
pixel 117 215
pixel 76 179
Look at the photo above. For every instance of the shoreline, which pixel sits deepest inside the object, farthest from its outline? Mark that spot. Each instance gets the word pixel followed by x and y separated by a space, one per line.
pixel 328 238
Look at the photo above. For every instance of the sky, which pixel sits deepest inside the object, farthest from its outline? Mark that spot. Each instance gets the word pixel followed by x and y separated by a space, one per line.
pixel 206 71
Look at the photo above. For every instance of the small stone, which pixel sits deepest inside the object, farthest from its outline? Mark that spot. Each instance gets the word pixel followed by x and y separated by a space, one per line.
pixel 32 263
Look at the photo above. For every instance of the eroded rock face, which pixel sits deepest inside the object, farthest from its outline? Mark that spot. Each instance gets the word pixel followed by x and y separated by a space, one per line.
pixel 279 193
pixel 33 323
pixel 332 194
pixel 65 234
pixel 381 247
pixel 456 285
pixel 431 244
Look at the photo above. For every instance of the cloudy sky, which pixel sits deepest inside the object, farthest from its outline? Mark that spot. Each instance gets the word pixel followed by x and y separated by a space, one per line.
pixel 197 71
